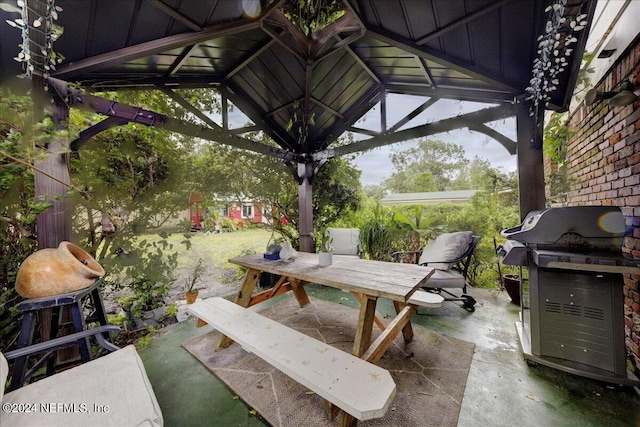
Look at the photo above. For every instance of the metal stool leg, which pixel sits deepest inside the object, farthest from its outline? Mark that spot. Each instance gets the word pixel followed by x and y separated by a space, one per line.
pixel 26 337
pixel 100 314
pixel 79 325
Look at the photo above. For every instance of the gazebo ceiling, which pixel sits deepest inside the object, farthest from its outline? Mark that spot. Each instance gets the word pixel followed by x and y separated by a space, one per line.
pixel 479 50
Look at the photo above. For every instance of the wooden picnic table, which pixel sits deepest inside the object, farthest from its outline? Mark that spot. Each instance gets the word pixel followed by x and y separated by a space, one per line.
pixel 327 371
pixel 368 280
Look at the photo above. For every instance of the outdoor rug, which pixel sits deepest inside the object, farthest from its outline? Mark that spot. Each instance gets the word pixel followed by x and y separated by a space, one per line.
pixel 430 372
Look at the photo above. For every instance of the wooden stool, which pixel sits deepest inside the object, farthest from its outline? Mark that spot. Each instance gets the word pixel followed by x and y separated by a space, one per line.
pixel 52 307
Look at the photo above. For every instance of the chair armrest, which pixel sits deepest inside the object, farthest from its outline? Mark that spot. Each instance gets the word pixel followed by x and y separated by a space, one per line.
pixel 462 258
pixel 66 341
pixel 398 255
pixel 447 261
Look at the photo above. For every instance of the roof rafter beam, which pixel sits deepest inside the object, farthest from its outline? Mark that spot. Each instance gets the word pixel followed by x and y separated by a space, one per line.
pixel 184 56
pixel 477 95
pixel 363 131
pixel 462 21
pixel 446 125
pixel 259 119
pixel 412 115
pixel 189 107
pixel 312 100
pixel 283 107
pixel 441 58
pixel 362 64
pixel 341 43
pixel 507 143
pixel 308 48
pixel 425 70
pixel 278 37
pixel 175 14
pixel 277 19
pixel 78 99
pixel 92 131
pixel 153 47
pixel 250 58
pixel 364 104
pixel 325 107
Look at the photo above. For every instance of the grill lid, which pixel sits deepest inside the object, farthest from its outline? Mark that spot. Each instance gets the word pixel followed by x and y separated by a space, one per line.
pixel 589 226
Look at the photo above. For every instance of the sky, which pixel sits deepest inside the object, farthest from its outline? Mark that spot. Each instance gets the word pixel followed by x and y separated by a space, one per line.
pixel 376 164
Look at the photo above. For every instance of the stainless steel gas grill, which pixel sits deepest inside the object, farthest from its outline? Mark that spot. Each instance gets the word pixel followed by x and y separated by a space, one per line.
pixel 571 309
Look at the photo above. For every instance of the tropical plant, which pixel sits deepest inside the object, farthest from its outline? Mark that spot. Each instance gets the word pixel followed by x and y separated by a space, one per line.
pixel 323 240
pixel 418 221
pixel 193 277
pixel 376 234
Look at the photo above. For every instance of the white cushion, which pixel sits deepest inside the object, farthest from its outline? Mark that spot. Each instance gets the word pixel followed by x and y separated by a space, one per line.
pixel 445 279
pixel 116 381
pixel 426 299
pixel 346 241
pixel 4 372
pixel 446 246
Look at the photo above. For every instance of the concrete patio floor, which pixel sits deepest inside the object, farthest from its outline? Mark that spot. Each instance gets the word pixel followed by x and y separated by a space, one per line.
pixel 502 390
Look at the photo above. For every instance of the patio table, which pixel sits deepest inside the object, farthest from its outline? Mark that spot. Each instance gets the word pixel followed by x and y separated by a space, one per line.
pixel 367 280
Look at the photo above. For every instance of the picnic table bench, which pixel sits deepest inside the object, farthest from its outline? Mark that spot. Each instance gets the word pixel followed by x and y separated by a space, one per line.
pixel 354 385
pixel 347 382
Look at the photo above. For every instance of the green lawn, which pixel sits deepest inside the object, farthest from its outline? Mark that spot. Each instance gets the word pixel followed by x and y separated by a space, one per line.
pixel 214 250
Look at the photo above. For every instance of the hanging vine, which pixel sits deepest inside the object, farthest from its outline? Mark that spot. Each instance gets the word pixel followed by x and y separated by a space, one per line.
pixel 38 35
pixel 313 15
pixel 554 47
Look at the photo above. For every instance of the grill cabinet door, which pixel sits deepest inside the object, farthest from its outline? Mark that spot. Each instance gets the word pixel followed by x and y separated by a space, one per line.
pixel 580 318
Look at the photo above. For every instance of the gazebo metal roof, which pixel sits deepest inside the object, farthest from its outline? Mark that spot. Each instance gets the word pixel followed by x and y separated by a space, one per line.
pixel 519 56
pixel 479 50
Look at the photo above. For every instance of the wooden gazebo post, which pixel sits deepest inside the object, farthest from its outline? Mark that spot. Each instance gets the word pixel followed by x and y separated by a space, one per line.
pixel 530 161
pixel 52 179
pixel 305 206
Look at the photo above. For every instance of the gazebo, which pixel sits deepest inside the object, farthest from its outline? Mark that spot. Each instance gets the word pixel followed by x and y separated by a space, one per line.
pixel 520 57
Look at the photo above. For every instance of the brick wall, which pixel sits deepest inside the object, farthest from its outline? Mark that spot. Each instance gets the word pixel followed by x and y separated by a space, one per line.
pixel 603 158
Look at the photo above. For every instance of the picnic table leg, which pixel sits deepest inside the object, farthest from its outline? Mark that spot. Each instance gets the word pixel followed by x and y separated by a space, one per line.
pixel 298 291
pixel 346 420
pixel 243 297
pixel 407 331
pixel 365 325
pixel 384 340
pixel 282 286
pixel 376 317
pixel 360 345
pixel 248 285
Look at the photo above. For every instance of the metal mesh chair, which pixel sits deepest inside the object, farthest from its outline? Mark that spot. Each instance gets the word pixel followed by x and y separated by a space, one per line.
pixel 450 254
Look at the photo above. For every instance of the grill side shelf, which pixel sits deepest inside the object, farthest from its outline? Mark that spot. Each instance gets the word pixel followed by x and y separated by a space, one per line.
pixel 603 263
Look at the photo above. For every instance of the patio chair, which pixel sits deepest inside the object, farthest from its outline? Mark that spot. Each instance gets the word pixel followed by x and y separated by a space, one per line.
pixel 345 241
pixel 450 254
pixel 113 390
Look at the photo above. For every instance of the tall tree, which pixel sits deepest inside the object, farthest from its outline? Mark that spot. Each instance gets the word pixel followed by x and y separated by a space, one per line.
pixel 478 174
pixel 234 174
pixel 431 165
